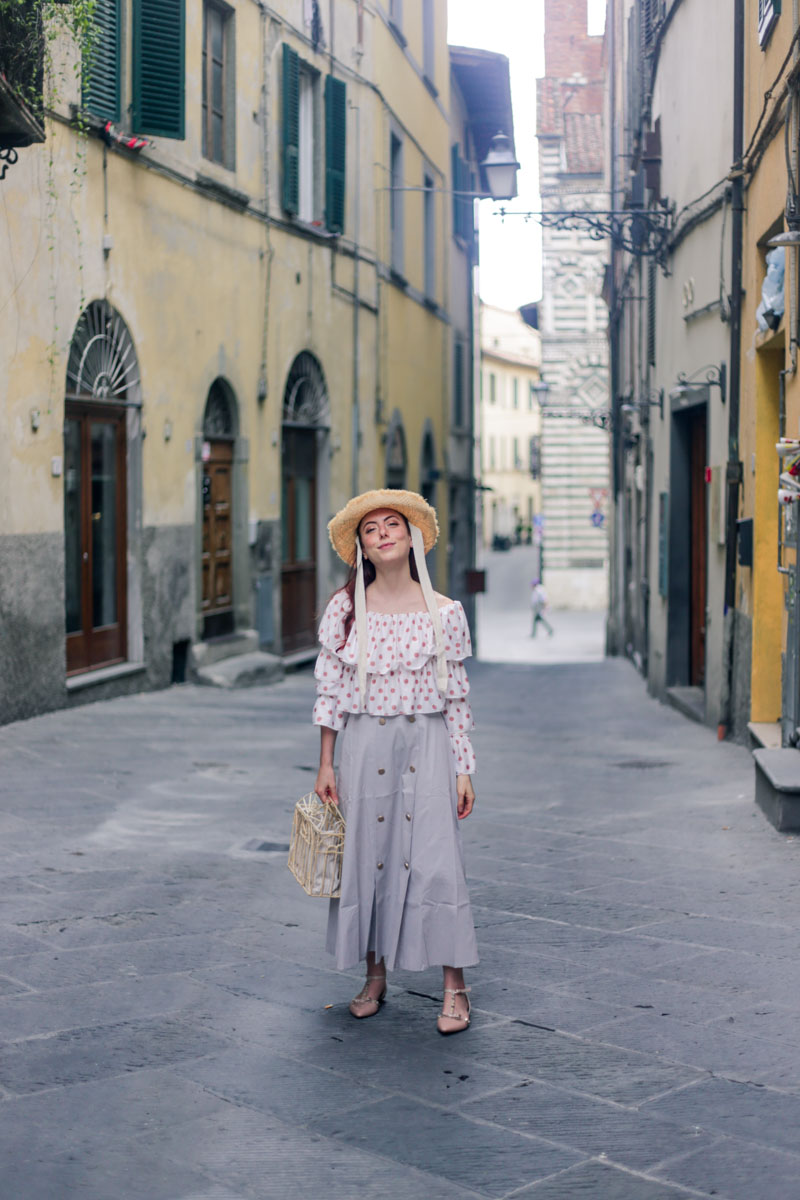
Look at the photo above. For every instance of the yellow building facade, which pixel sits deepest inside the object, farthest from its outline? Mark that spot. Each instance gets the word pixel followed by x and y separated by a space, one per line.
pixel 510 428
pixel 227 309
pixel 770 390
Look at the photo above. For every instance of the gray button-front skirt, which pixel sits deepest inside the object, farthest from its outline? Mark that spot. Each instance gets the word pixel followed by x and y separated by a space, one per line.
pixel 404 893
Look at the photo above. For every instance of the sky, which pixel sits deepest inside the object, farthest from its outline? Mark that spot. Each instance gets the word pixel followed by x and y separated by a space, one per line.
pixel 511 249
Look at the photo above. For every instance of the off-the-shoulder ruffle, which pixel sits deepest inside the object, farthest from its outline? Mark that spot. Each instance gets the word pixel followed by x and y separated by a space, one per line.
pixel 397 641
pixel 401 671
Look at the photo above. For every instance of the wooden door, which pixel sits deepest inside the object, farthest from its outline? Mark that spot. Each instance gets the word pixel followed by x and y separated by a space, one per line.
pixel 698 549
pixel 217 597
pixel 299 538
pixel 94 535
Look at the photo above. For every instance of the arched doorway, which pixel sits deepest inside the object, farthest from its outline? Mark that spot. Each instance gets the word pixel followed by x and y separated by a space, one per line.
pixel 396 457
pixel 102 386
pixel 219 435
pixel 305 425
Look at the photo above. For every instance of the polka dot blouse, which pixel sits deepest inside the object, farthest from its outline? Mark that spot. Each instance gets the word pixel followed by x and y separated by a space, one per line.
pixel 401 671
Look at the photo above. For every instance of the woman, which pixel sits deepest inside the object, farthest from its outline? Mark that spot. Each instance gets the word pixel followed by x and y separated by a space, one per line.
pixel 391 674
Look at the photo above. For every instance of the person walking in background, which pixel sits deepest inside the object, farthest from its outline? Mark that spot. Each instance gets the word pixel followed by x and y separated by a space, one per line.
pixel 538 605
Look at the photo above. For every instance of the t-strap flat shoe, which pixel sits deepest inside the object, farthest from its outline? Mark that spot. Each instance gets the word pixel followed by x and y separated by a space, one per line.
pixel 363 998
pixel 452 1015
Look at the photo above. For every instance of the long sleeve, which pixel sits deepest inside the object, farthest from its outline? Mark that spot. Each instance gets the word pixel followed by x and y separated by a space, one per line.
pixel 457 710
pixel 329 670
pixel 327 707
pixel 458 718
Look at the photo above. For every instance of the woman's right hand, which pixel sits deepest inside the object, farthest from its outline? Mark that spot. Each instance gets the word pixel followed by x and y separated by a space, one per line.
pixel 325 787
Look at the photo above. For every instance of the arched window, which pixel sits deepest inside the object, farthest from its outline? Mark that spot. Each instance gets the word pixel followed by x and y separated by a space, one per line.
pixel 219 417
pixel 101 385
pixel 305 397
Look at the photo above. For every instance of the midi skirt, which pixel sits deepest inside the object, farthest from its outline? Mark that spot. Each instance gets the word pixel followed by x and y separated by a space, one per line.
pixel 404 892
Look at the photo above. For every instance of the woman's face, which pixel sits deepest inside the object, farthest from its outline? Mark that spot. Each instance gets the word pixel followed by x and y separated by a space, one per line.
pixel 385 537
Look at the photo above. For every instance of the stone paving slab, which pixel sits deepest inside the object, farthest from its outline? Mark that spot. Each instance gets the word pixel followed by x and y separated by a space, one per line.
pixel 172 1028
pixel 596 1179
pixel 624 1136
pixel 266 1158
pixel 738 1171
pixel 492 1160
pixel 33 1014
pixel 736 1110
pixel 662 997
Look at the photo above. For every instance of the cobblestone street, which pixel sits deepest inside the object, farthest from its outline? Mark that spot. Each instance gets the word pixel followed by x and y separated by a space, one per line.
pixel 173 1030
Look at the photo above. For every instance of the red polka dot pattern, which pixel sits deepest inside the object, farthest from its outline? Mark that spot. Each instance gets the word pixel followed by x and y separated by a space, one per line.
pixel 401 663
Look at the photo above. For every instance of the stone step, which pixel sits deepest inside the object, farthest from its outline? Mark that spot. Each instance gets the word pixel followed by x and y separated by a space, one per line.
pixel 242 670
pixel 204 654
pixel 778 787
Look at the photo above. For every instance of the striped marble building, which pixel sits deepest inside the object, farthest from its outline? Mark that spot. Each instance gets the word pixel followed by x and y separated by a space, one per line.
pixel 575 451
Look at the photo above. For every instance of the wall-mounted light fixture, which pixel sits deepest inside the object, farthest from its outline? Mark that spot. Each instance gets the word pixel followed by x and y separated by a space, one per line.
pixel 645 403
pixel 687 386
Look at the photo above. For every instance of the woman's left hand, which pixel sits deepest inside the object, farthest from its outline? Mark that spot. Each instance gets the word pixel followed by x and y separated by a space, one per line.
pixel 466 796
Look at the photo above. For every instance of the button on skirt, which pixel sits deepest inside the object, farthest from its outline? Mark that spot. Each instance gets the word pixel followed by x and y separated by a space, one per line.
pixel 404 892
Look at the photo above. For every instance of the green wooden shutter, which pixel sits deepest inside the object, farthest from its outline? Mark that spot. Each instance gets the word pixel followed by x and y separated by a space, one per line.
pixel 101 67
pixel 159 36
pixel 291 130
pixel 335 145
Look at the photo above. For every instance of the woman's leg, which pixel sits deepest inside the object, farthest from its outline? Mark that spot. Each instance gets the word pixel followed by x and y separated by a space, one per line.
pixel 376 974
pixel 369 999
pixel 458 1005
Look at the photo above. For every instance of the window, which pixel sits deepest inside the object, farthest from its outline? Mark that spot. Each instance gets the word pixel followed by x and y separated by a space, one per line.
pixel 515 394
pixel 102 72
pixel 492 459
pixel 306 156
pixel 219 84
pixel 531 397
pixel 159 38
pixel 768 13
pixel 428 41
pixel 429 237
pixel 535 455
pixel 492 388
pixel 396 202
pixel 302 191
pixel 517 458
pixel 157 66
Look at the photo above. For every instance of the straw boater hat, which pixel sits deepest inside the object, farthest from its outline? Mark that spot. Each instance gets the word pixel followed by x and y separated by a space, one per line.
pixel 343 532
pixel 343 528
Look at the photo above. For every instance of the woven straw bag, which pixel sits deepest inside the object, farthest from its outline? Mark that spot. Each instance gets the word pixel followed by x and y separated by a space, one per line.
pixel 316 847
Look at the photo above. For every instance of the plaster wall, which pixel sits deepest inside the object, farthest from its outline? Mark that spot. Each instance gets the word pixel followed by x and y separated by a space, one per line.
pixel 761 591
pixel 690 306
pixel 208 287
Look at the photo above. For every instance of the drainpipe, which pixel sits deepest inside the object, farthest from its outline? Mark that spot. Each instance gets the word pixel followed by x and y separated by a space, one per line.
pixel 356 310
pixel 614 630
pixel 734 467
